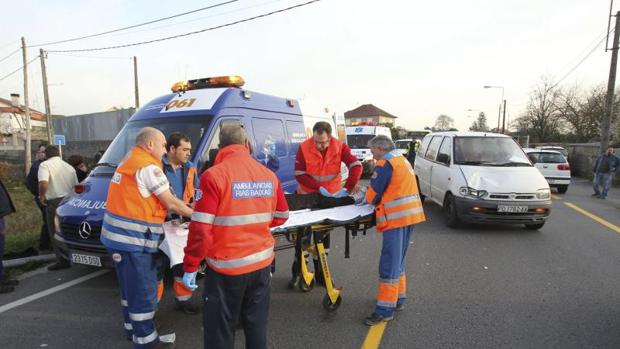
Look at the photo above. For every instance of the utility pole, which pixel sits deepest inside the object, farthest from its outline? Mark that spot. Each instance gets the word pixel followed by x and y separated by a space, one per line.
pixel 28 156
pixel 504 118
pixel 46 97
pixel 611 83
pixel 135 79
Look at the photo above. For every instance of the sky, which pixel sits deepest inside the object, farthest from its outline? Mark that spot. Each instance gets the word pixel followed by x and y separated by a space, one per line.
pixel 413 59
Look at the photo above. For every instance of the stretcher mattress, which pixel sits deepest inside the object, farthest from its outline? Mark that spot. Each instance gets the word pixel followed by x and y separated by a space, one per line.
pixel 176 235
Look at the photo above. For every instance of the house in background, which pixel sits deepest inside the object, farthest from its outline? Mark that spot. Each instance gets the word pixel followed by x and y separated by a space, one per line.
pixel 13 124
pixel 368 114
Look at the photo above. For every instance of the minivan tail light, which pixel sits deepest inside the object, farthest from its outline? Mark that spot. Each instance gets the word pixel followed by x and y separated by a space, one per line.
pixel 564 167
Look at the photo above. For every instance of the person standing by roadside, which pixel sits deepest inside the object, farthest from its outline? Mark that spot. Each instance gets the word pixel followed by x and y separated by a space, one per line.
pixel 604 167
pixel 394 192
pixel 6 208
pixel 56 180
pixel 139 198
pixel 241 199
pixel 77 161
pixel 32 183
pixel 181 174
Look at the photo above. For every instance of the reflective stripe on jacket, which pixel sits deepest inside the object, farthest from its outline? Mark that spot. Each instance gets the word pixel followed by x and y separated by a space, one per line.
pixel 400 203
pixel 131 222
pixel 325 170
pixel 240 238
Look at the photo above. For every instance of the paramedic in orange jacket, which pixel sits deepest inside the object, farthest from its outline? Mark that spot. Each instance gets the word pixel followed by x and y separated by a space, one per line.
pixel 181 174
pixel 138 198
pixel 317 169
pixel 394 192
pixel 241 199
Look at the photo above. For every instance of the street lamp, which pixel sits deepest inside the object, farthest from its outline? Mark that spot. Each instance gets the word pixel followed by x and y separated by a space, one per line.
pixel 499 114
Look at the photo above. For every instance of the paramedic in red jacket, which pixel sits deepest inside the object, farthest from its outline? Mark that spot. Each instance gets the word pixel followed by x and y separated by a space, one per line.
pixel 241 199
pixel 317 169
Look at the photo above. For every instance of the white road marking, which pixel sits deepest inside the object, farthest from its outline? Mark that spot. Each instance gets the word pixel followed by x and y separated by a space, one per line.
pixel 52 290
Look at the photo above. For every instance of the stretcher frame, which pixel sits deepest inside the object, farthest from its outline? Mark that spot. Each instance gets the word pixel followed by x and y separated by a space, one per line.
pixel 309 240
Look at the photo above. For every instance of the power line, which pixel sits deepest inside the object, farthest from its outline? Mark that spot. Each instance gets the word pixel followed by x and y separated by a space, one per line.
pixel 190 33
pixel 132 26
pixel 200 18
pixel 583 59
pixel 10 54
pixel 18 69
pixel 92 57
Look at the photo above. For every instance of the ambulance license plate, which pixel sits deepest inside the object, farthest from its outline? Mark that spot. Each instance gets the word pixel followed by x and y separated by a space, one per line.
pixel 86 259
pixel 511 209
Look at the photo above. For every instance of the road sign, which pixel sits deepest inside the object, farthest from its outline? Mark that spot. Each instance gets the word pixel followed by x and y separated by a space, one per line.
pixel 59 139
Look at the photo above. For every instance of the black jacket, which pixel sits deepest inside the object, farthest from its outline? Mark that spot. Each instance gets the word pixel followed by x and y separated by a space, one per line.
pixel 32 180
pixel 6 204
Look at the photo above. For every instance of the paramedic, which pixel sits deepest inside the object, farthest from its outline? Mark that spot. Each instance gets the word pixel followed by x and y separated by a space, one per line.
pixel 241 200
pixel 394 192
pixel 138 199
pixel 181 174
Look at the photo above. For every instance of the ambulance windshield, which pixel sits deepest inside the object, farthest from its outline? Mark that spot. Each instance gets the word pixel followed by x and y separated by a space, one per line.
pixel 359 141
pixel 195 127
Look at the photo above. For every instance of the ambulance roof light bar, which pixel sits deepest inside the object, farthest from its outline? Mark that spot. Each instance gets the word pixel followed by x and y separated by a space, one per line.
pixel 218 81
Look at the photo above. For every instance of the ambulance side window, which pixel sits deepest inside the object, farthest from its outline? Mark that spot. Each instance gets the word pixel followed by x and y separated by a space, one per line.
pixel 296 135
pixel 269 138
pixel 208 156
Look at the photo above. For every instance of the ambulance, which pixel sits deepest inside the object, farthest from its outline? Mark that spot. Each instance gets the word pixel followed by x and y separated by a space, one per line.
pixel 199 108
pixel 357 139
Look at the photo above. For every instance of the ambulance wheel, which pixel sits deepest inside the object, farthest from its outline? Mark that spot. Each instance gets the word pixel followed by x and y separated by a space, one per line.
pixel 329 306
pixel 303 287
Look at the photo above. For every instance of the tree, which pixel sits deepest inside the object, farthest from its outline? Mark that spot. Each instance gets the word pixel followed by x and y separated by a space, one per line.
pixel 480 124
pixel 542 117
pixel 443 123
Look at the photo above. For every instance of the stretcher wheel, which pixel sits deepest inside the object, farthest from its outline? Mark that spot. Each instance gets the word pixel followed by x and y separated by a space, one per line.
pixel 329 306
pixel 303 287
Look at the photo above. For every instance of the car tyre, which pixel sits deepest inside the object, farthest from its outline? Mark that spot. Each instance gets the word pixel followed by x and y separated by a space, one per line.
pixel 534 226
pixel 452 216
pixel 562 189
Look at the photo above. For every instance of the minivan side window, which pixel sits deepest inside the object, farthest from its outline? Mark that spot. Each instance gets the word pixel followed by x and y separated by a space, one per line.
pixel 269 137
pixel 446 147
pixel 423 146
pixel 433 147
pixel 296 134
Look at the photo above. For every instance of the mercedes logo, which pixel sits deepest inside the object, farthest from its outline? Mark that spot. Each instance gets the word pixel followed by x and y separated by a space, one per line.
pixel 84 230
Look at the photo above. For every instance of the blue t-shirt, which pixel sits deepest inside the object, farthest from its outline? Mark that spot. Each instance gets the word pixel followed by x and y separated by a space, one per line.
pixel 175 177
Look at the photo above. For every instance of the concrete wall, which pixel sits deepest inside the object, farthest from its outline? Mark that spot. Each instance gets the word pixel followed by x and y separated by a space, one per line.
pixel 582 158
pixel 92 127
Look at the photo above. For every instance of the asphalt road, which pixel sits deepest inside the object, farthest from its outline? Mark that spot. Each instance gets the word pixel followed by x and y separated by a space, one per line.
pixel 473 287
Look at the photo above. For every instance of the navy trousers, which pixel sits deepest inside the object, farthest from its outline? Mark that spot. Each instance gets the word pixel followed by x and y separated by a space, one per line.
pixel 137 279
pixel 229 299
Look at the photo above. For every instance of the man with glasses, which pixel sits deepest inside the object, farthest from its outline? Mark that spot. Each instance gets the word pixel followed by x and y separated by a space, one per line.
pixel 317 169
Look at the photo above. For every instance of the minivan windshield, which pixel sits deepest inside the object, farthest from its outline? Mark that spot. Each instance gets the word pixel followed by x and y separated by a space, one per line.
pixel 488 151
pixel 194 127
pixel 359 141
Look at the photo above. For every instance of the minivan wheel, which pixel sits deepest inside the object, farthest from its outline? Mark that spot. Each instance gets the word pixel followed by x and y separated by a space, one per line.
pixel 534 226
pixel 562 189
pixel 452 216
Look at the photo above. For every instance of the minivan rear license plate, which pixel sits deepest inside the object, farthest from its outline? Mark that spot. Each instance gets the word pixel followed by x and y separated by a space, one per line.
pixel 511 209
pixel 86 259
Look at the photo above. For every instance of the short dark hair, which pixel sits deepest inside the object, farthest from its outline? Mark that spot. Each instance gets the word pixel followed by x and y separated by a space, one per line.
pixel 75 160
pixel 42 144
pixel 51 151
pixel 175 139
pixel 322 127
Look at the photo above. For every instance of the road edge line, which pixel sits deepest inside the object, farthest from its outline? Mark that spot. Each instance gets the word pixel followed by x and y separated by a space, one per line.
pixel 594 217
pixel 50 291
pixel 373 338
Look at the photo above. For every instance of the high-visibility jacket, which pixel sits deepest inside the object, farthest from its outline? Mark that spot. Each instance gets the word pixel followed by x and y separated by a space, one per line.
pixel 325 170
pixel 234 235
pixel 188 193
pixel 400 203
pixel 131 222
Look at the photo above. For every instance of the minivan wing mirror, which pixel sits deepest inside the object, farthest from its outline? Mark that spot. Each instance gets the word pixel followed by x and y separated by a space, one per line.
pixel 443 158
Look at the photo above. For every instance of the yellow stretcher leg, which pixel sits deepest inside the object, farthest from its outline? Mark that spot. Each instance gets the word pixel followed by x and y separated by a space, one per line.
pixel 307 277
pixel 332 299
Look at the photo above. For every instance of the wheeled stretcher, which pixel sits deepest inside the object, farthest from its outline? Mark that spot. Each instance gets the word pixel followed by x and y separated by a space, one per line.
pixel 306 231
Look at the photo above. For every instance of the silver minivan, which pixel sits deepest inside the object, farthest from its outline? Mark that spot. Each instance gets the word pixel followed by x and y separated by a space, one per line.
pixel 482 177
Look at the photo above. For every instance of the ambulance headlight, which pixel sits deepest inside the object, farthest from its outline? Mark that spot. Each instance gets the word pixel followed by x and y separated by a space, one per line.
pixel 56 223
